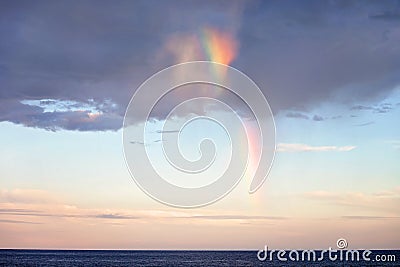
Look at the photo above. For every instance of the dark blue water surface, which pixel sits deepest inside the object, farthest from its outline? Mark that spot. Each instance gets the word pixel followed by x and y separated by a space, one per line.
pixel 9 257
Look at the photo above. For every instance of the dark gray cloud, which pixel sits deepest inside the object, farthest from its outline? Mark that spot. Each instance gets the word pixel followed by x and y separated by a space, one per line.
pixel 387 15
pixel 382 108
pixel 91 52
pixel 114 216
pixel 365 123
pixel 297 115
pixel 167 131
pixel 81 120
pixel 361 107
pixel 336 117
pixel 318 118
pixel 137 143
pixel 314 51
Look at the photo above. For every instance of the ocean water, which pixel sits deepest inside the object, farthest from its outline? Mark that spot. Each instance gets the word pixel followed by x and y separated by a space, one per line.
pixel 164 258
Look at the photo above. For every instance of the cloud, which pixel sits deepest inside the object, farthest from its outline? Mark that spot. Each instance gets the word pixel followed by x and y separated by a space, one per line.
pixel 114 216
pixel 320 194
pixel 361 107
pixel 129 215
pixel 382 108
pixel 25 196
pixel 365 124
pixel 370 217
pixel 168 131
pixel 331 56
pixel 45 213
pixel 146 144
pixel 285 147
pixel 318 118
pixel 297 115
pixel 378 202
pixel 298 54
pixel 388 193
pixel 54 115
pixel 386 15
pixel 136 142
pixel 16 210
pixel 17 222
pixel 235 217
pixel 394 143
pixel 48 211
pixel 336 117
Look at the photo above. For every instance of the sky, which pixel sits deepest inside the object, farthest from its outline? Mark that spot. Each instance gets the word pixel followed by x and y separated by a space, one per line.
pixel 330 71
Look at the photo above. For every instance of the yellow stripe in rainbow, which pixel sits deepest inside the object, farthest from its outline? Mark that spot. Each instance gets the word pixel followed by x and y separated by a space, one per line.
pixel 220 47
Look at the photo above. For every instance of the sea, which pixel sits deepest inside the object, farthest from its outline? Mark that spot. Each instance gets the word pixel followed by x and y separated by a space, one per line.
pixel 23 257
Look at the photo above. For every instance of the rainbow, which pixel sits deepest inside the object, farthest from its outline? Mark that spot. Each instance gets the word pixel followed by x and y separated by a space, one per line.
pixel 219 46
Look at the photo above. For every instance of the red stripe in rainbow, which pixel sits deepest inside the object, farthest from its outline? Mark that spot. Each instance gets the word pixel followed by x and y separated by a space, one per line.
pixel 220 47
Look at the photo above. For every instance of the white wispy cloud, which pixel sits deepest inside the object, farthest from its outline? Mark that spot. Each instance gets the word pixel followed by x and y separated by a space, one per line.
pixel 379 202
pixel 27 196
pixel 286 147
pixel 394 143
